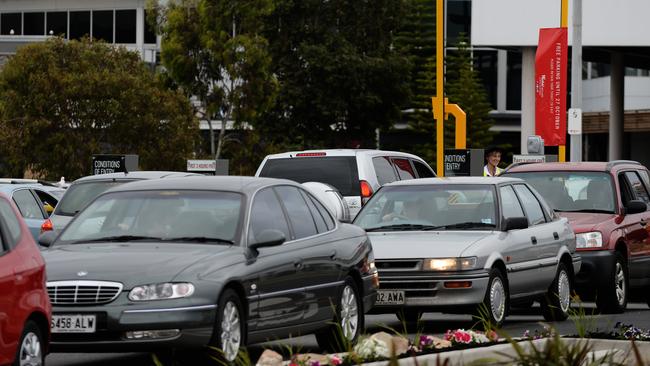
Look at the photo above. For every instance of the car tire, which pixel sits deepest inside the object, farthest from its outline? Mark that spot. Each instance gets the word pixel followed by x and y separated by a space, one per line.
pixel 230 327
pixel 31 346
pixel 612 299
pixel 348 323
pixel 497 300
pixel 557 301
pixel 409 316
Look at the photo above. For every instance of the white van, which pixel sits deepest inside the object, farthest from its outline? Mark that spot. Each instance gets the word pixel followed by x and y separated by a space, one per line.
pixel 357 174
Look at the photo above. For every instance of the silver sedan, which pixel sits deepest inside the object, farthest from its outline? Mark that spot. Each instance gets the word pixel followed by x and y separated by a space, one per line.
pixel 459 245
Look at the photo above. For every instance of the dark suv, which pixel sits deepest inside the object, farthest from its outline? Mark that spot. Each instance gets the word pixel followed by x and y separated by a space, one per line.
pixel 606 203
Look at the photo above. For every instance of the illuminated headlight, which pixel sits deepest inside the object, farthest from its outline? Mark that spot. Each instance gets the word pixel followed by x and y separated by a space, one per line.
pixel 449 264
pixel 161 291
pixel 589 240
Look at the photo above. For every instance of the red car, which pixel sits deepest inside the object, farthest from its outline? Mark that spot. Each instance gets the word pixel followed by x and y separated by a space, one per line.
pixel 607 206
pixel 25 310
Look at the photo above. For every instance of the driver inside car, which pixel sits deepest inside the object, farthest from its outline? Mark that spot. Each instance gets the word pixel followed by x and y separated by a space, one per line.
pixel 411 210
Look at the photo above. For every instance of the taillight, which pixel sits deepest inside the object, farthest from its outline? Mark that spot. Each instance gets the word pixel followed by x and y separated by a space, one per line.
pixel 312 154
pixel 47 226
pixel 366 191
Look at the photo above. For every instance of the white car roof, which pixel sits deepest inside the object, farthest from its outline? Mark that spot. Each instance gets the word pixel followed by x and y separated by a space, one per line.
pixel 340 152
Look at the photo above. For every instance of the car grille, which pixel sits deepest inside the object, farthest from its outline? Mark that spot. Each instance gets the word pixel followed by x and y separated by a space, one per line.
pixel 412 286
pixel 83 292
pixel 398 265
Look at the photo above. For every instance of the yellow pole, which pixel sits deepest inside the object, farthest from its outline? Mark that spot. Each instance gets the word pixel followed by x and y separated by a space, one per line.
pixel 564 23
pixel 461 124
pixel 438 100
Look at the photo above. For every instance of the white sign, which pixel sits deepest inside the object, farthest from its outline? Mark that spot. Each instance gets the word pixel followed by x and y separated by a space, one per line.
pixel 575 121
pixel 201 165
pixel 528 159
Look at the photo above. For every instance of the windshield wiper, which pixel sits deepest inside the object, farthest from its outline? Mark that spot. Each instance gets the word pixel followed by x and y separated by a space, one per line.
pixel 468 225
pixel 201 239
pixel 118 238
pixel 588 210
pixel 405 227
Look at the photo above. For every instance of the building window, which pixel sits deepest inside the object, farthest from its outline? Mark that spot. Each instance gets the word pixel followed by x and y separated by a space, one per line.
pixel 149 34
pixel 599 70
pixel 103 25
pixel 57 24
pixel 513 91
pixel 11 24
pixel 486 64
pixel 458 20
pixel 79 24
pixel 34 24
pixel 125 27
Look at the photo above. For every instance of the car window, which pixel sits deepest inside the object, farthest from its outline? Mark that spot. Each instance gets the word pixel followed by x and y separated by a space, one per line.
pixel 626 190
pixel 645 177
pixel 404 169
pixel 79 195
pixel 637 187
pixel 510 205
pixel 300 217
pixel 267 214
pixel 318 217
pixel 423 170
pixel 341 172
pixel 29 208
pixel 531 205
pixel 384 170
pixel 329 221
pixel 11 223
pixel 46 198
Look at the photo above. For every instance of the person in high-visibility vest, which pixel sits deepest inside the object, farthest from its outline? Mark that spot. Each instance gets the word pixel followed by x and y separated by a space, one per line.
pixel 493 158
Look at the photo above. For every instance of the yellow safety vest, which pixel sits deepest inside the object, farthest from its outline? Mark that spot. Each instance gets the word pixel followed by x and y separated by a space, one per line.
pixel 487 174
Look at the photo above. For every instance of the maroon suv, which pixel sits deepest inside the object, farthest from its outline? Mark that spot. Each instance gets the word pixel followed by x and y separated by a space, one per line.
pixel 606 203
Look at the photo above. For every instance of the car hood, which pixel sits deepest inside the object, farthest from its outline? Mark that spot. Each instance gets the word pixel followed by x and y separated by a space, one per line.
pixel 423 244
pixel 132 264
pixel 583 222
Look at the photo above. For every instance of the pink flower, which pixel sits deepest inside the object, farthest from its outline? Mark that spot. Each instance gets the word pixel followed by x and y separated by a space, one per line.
pixel 448 336
pixel 426 341
pixel 461 337
pixel 335 360
pixel 466 337
pixel 492 335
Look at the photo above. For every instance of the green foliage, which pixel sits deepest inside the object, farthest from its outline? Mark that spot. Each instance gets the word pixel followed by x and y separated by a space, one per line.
pixel 214 50
pixel 585 323
pixel 61 102
pixel 340 76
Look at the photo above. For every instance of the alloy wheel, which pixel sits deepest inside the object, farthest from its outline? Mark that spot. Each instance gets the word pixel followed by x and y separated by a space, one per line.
pixel 621 286
pixel 349 313
pixel 230 331
pixel 30 351
pixel 497 299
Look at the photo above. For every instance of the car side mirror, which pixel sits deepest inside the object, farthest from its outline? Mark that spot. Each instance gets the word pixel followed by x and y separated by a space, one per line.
pixel 516 223
pixel 635 207
pixel 46 239
pixel 268 238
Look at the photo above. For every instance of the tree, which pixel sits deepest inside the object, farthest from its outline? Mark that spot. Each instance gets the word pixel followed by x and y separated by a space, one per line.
pixel 61 102
pixel 214 50
pixel 340 76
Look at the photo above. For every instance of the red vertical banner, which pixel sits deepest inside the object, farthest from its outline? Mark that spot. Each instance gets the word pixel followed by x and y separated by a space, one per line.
pixel 550 86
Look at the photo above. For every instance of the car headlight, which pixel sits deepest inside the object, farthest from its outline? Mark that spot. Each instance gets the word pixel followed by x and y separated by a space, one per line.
pixel 449 264
pixel 161 291
pixel 589 240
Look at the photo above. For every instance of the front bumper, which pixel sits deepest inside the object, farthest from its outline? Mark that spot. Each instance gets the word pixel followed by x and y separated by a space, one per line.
pixel 194 322
pixel 596 271
pixel 427 291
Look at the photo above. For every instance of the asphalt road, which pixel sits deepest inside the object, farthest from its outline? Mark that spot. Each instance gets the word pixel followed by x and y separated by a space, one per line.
pixel 433 323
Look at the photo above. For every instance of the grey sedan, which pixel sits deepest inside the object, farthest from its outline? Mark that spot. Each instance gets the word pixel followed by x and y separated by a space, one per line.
pixel 220 261
pixel 455 244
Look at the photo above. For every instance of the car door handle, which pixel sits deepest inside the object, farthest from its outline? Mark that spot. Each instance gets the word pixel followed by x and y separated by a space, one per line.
pixel 556 236
pixel 533 240
pixel 643 222
pixel 297 264
pixel 333 254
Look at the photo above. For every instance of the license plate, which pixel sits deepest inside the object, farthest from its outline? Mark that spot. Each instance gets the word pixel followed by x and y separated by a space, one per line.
pixel 73 323
pixel 390 297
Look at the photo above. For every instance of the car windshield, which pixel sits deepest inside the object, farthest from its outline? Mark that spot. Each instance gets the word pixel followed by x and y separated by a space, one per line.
pixel 573 191
pixel 162 216
pixel 432 207
pixel 79 195
pixel 337 171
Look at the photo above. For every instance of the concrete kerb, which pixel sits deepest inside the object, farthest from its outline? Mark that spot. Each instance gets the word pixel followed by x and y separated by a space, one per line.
pixel 503 352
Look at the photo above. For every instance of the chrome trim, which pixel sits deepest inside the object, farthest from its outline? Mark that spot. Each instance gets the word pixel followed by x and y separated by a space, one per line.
pixel 300 289
pixel 114 286
pixel 188 308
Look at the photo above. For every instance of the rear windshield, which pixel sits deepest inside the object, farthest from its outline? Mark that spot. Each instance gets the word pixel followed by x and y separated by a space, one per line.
pixel 338 171
pixel 79 195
